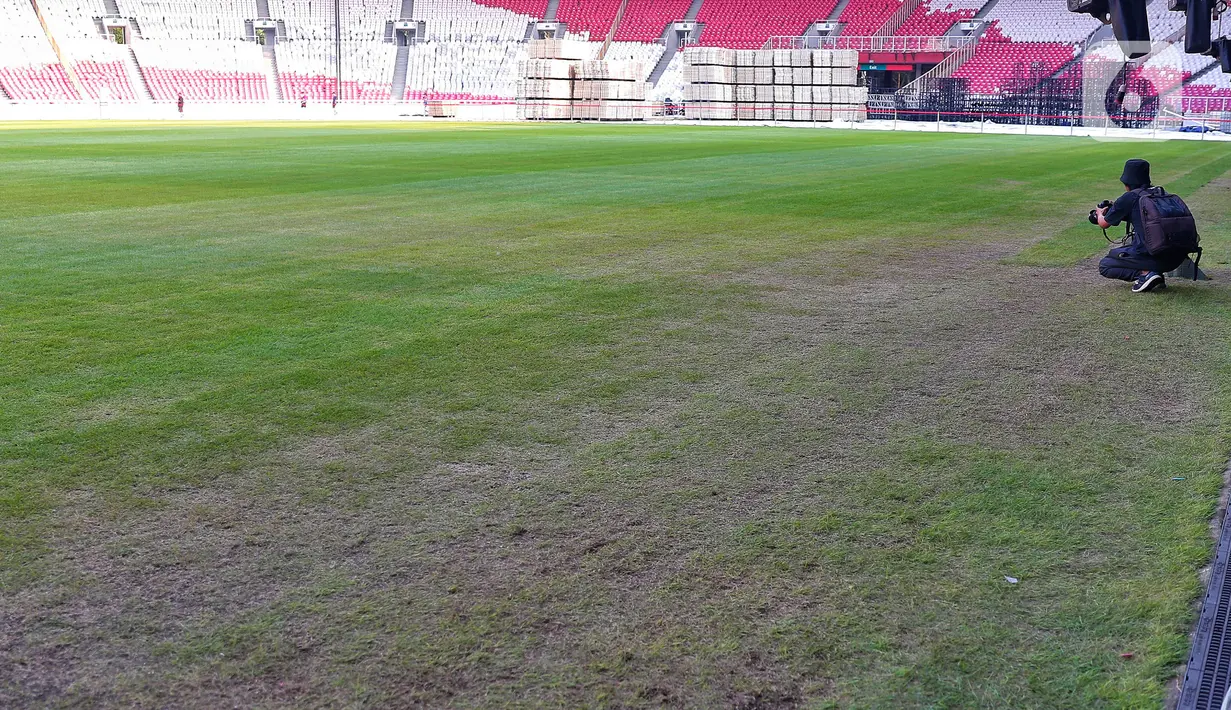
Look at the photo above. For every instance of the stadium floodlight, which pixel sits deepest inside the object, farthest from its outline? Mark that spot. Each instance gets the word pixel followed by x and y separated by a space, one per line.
pixel 1127 17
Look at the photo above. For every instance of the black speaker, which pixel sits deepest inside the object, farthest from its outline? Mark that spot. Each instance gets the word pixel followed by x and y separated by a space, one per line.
pixel 1221 48
pixel 1127 17
pixel 1132 26
pixel 1197 29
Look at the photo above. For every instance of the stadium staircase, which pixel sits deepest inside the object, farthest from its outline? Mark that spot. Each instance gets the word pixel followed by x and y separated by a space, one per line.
pixel 672 42
pixel 982 13
pixel 111 7
pixel 262 9
pixel 136 77
pixel 553 9
pixel 898 18
pixel 400 63
pixel 273 82
pixel 837 11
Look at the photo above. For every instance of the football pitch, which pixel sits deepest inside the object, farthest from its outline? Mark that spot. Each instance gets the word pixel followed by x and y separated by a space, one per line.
pixel 597 416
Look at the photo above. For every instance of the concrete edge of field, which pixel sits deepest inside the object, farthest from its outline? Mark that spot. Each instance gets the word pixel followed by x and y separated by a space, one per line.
pixel 1176 687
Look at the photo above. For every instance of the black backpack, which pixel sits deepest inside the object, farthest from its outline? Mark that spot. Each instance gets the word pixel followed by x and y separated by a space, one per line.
pixel 1167 223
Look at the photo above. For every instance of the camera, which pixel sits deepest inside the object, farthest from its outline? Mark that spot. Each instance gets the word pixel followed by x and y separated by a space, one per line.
pixel 1094 213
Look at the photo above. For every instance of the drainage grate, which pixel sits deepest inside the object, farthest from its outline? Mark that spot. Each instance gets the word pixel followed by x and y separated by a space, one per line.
pixel 1209 667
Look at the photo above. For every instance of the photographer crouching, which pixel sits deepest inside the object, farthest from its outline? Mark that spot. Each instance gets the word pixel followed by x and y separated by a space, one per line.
pixel 1160 231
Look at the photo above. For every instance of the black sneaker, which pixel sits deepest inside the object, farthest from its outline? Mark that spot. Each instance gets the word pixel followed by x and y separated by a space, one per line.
pixel 1149 282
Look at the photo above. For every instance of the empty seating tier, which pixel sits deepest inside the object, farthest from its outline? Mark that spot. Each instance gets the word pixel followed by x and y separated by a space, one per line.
pixel 748 24
pixel 205 70
pixel 592 17
pixel 645 20
pixel 105 81
pixel 37 83
pixel 862 18
pixel 998 62
pixel 933 18
pixel 465 21
pixel 204 50
pixel 309 69
pixel 1024 43
pixel 534 8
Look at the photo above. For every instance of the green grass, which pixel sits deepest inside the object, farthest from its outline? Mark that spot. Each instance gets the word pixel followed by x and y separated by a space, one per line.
pixel 524 416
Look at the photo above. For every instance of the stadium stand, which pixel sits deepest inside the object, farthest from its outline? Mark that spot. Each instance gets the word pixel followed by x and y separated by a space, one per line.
pixel 1208 93
pixel 309 69
pixel 308 58
pixel 932 18
pixel 591 19
pixel 645 20
pixel 471 48
pixel 863 18
pixel 195 50
pixel 29 68
pixel 1163 22
pixel 208 20
pixel 471 52
pixel 748 24
pixel 462 70
pixel 1024 41
pixel 220 70
pixel 531 8
pixel 465 21
pixel 647 54
pixel 101 65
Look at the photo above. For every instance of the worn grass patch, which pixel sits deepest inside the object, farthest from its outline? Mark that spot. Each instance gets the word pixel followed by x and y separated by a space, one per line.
pixel 584 416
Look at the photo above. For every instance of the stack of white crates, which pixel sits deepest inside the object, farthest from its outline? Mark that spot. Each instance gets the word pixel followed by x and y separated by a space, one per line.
pixel 775 85
pixel 545 79
pixel 610 91
pixel 709 89
pixel 545 90
pixel 561 80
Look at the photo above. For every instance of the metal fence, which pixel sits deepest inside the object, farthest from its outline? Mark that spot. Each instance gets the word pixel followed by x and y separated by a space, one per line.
pixel 1099 90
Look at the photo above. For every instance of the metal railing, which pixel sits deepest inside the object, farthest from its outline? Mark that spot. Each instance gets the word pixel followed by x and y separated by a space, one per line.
pixel 948 66
pixel 898 18
pixel 870 44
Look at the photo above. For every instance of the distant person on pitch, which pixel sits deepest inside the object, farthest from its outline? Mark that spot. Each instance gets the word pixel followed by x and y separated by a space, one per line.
pixel 1160 231
pixel 335 104
pixel 303 100
pixel 179 103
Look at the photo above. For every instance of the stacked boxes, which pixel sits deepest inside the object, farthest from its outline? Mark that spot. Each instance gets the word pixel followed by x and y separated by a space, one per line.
pixel 776 85
pixel 560 81
pixel 569 49
pixel 709 91
pixel 610 91
pixel 545 90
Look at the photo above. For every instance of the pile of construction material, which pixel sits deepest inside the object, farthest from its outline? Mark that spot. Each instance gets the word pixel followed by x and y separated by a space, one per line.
pixel 609 91
pixel 773 85
pixel 561 81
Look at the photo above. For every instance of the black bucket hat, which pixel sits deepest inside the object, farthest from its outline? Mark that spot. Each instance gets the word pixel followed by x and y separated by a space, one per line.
pixel 1136 173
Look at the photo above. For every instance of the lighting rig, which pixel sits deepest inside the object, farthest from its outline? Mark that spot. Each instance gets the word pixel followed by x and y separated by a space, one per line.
pixel 1131 25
